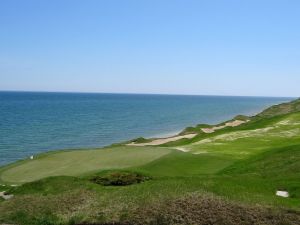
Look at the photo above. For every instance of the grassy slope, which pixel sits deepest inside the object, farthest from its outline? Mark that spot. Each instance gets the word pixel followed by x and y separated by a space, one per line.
pixel 180 164
pixel 246 164
pixel 279 132
pixel 281 109
pixel 279 163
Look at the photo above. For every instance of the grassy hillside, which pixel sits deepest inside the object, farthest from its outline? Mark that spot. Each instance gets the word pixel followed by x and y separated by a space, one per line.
pixel 281 109
pixel 226 177
pixel 252 138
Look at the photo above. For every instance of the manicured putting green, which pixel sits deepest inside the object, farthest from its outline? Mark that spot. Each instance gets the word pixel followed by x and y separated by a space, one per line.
pixel 74 163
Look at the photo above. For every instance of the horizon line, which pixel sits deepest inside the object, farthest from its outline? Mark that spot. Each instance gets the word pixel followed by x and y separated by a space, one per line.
pixel 134 93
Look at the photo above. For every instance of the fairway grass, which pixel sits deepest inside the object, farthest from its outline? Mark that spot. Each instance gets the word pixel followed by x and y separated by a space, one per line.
pixel 76 163
pixel 181 164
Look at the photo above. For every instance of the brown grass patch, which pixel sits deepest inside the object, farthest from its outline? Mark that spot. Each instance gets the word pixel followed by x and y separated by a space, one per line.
pixel 209 210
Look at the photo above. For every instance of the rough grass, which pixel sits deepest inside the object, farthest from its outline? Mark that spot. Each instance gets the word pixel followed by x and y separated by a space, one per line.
pixel 203 210
pixel 138 204
pixel 3 188
pixel 281 109
pixel 251 139
pixel 94 203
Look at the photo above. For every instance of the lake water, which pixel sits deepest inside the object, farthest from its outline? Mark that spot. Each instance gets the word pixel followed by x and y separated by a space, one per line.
pixel 32 122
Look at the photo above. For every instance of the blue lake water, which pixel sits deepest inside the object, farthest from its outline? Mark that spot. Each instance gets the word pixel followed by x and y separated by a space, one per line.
pixel 31 122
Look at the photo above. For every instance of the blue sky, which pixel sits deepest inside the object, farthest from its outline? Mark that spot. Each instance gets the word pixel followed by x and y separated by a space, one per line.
pixel 213 47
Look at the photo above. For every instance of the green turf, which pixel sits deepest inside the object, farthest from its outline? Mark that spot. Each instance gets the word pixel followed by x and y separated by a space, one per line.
pixel 186 164
pixel 75 163
pixel 280 163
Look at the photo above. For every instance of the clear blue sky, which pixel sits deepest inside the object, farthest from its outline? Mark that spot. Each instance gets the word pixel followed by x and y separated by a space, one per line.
pixel 216 47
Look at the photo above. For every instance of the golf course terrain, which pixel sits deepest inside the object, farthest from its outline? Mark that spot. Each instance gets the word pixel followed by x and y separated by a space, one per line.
pixel 222 174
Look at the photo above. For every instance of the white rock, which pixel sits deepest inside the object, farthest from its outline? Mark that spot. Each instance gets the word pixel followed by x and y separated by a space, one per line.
pixel 284 194
pixel 4 196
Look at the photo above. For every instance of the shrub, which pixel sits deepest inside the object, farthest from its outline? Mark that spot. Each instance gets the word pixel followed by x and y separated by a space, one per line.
pixel 119 178
pixel 141 140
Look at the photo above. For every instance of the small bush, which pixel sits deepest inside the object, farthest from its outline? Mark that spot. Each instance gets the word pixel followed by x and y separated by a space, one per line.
pixel 141 140
pixel 119 178
pixel 241 117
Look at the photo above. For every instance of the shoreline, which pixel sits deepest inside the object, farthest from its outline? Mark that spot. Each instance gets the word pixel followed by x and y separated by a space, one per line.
pixel 155 146
pixel 161 136
pixel 161 139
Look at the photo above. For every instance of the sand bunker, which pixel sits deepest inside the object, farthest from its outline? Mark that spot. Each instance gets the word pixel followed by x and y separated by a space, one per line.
pixel 235 135
pixel 234 123
pixel 161 141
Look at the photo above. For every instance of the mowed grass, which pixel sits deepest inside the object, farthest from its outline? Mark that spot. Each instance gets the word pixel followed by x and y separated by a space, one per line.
pixel 181 164
pixel 76 163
